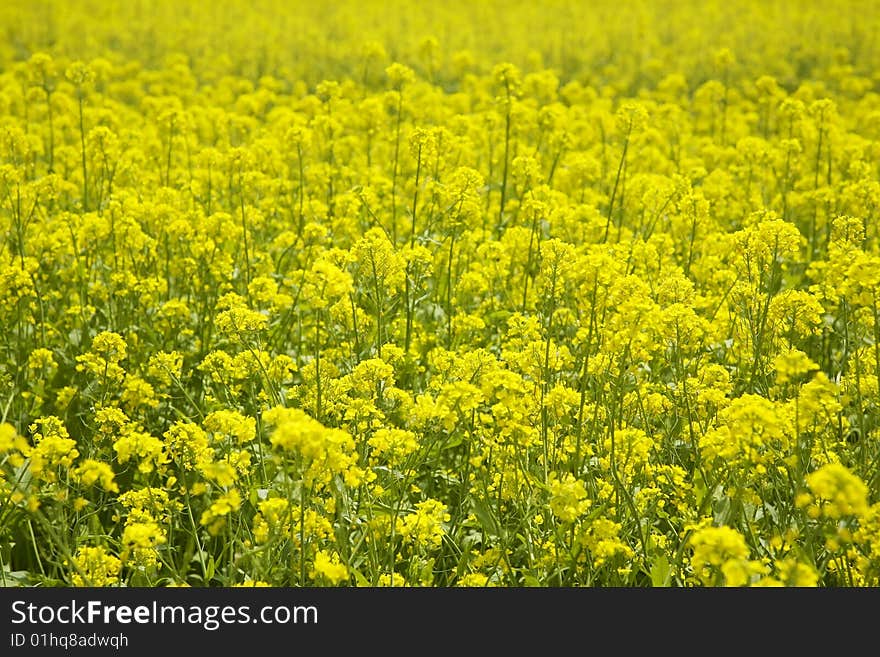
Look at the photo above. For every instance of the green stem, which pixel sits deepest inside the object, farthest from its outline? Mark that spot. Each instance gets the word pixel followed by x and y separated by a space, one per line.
pixel 82 139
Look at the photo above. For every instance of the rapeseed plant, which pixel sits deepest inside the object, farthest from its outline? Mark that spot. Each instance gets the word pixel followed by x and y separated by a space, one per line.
pixel 501 294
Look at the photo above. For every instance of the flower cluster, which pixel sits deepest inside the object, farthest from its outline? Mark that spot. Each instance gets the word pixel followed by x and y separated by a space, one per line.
pixel 355 305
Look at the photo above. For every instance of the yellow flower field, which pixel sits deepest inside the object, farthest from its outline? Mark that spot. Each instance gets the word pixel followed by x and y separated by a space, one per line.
pixel 460 294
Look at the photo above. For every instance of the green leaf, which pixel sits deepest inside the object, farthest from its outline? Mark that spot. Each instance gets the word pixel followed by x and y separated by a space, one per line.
pixel 360 579
pixel 484 515
pixel 722 511
pixel 531 580
pixel 700 488
pixel 660 571
pixel 209 569
pixel 426 576
pixel 15 578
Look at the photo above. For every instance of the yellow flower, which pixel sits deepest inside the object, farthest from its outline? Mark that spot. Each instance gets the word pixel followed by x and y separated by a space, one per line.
pixel 90 472
pixel 107 351
pixel 399 75
pixel 231 423
pixel 720 556
pixel 836 492
pixel 252 583
pixel 163 365
pixel 392 579
pixel 750 429
pixel 220 472
pixel 156 502
pixel 147 448
pixel 188 444
pixel 239 321
pixel 326 451
pixel 327 566
pixel 794 573
pixel 424 527
pixel 42 359
pixel 475 580
pixel 137 393
pixel 568 497
pixel 392 445
pixel 54 448
pixel 273 519
pixel 214 517
pixel 141 537
pixel 11 444
pixel 94 566
pixel 602 539
pixel 792 364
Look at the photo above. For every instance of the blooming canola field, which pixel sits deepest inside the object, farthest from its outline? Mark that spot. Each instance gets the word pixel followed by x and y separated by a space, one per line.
pixel 466 294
